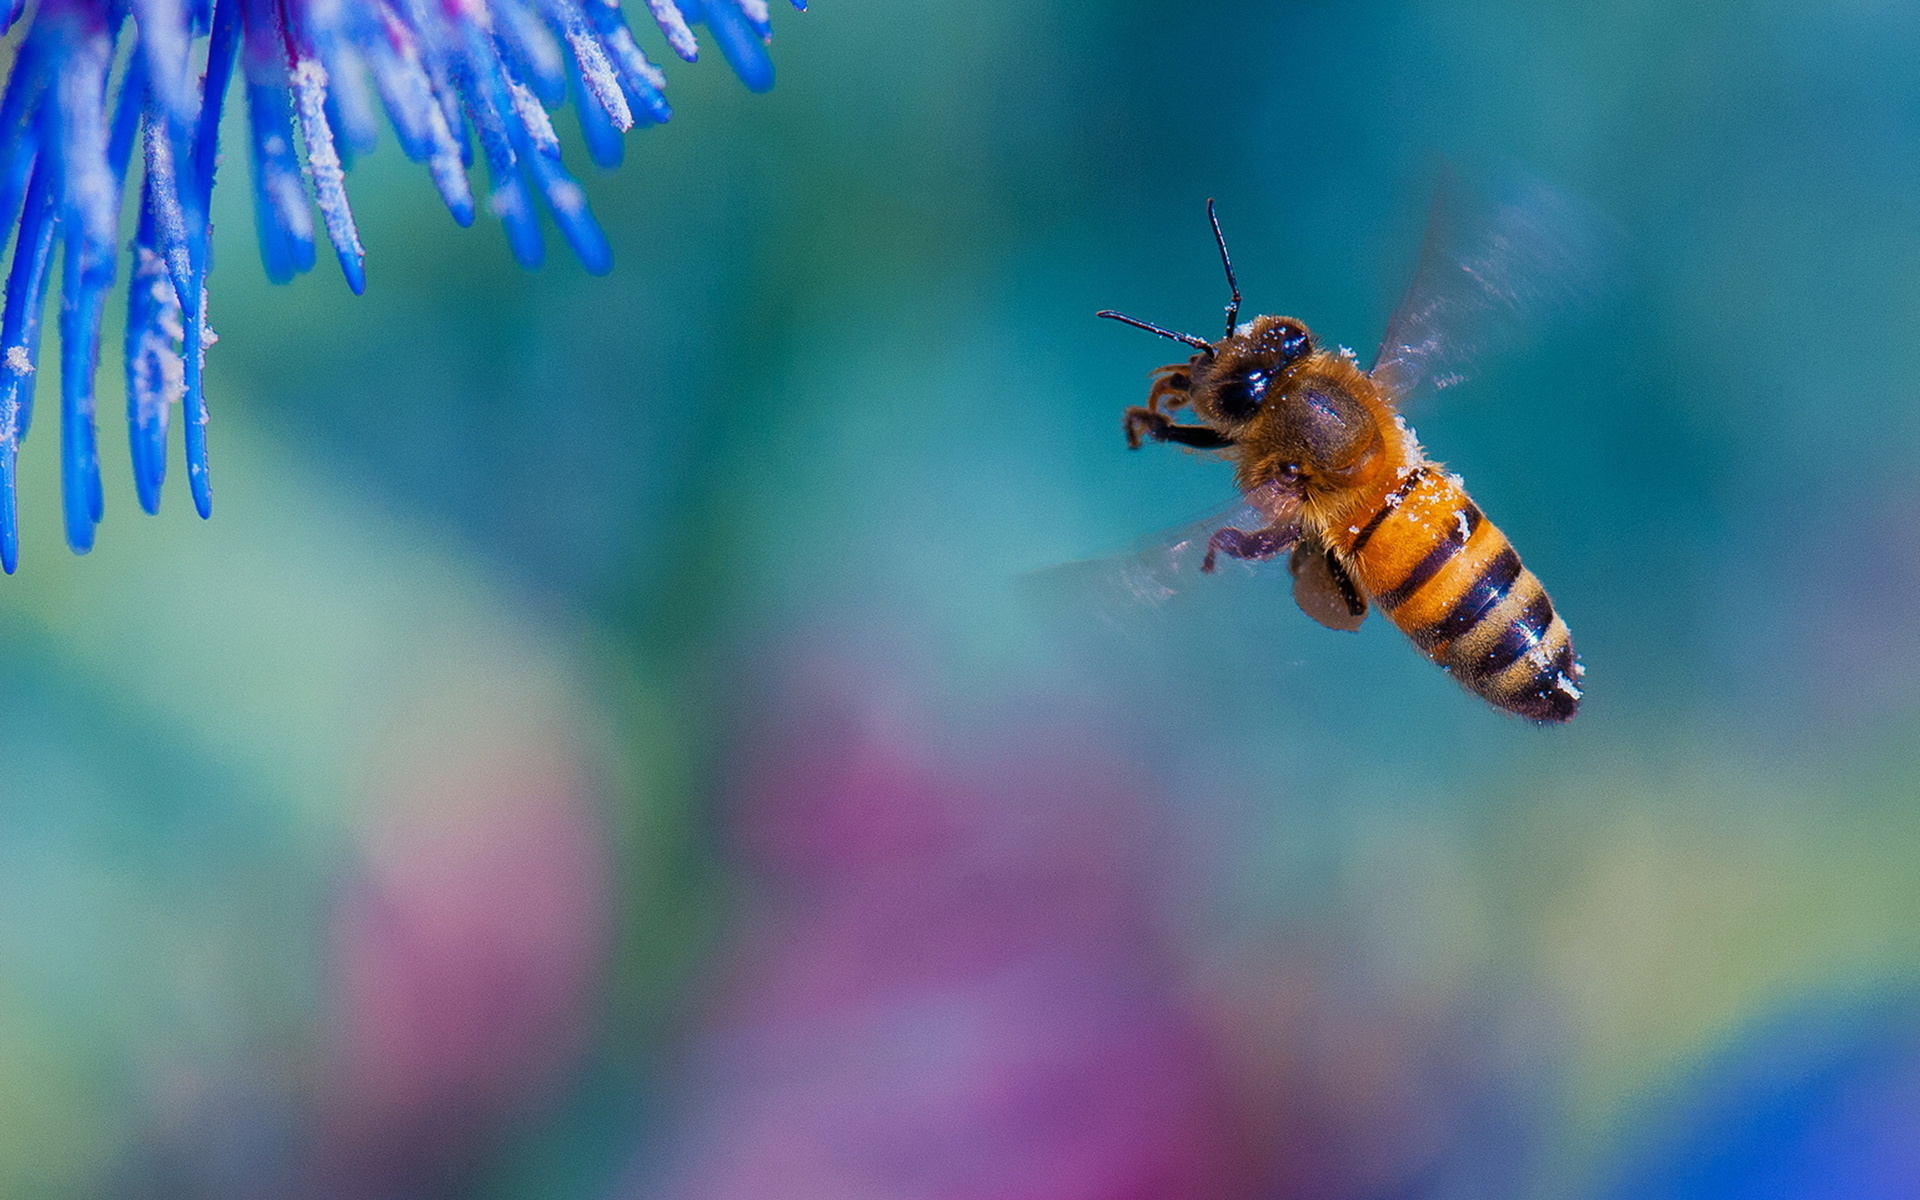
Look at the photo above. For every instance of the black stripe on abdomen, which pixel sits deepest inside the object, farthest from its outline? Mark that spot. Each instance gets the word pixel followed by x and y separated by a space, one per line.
pixel 1450 544
pixel 1546 694
pixel 1386 509
pixel 1479 598
pixel 1527 629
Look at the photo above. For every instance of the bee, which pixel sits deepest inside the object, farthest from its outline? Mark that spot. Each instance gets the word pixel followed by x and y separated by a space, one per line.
pixel 1334 478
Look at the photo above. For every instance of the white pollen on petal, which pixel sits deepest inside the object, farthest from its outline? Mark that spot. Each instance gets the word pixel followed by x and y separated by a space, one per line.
pixel 308 73
pixel 539 126
pixel 18 362
pixel 567 198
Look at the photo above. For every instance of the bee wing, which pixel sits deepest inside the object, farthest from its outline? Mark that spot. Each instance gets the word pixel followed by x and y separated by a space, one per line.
pixel 1159 570
pixel 1496 261
pixel 1323 590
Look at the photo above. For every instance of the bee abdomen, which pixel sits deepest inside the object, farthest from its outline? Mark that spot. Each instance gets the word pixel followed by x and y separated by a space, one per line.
pixel 1517 653
pixel 1453 584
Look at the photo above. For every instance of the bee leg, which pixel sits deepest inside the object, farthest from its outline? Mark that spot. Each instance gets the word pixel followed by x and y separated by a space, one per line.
pixel 1257 544
pixel 1348 591
pixel 1171 386
pixel 1141 421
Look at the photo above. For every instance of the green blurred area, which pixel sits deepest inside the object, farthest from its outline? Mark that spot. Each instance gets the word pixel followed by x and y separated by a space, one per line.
pixel 845 381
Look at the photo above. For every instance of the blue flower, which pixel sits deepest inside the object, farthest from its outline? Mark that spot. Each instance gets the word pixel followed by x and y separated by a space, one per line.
pixel 442 69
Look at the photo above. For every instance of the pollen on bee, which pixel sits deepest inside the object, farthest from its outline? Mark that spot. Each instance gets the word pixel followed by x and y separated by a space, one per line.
pixel 1568 686
pixel 1466 530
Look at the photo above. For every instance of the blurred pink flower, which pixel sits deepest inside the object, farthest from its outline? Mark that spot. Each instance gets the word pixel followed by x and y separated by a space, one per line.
pixel 950 983
pixel 467 956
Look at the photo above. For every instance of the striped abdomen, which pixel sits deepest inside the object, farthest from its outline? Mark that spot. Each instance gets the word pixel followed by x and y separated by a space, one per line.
pixel 1452 583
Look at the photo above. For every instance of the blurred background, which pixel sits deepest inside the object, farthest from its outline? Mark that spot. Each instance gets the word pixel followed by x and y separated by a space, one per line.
pixel 601 746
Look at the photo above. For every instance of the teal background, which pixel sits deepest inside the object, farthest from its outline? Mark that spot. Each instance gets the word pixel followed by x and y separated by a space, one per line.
pixel 843 388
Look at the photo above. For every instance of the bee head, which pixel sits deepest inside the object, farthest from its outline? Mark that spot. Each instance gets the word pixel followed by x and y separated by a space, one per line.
pixel 1233 379
pixel 1251 387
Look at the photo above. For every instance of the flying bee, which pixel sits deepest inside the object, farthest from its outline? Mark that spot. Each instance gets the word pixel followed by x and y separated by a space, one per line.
pixel 1333 477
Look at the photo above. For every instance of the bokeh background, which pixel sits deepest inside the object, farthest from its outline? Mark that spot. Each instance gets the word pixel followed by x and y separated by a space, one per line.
pixel 601 745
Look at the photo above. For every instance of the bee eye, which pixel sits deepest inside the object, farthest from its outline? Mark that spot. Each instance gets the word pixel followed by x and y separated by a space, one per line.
pixel 1240 396
pixel 1298 343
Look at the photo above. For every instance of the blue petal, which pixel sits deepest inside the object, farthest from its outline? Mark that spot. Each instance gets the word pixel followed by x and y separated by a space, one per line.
pixel 79 452
pixel 9 507
pixel 165 53
pixel 488 101
pixel 19 132
pixel 282 213
pixel 126 121
pixel 539 151
pixel 597 67
pixel 90 196
pixel 639 79
pixel 220 54
pixel 755 11
pixel 283 219
pixel 420 117
pixel 20 333
pixel 26 297
pixel 349 109
pixel 740 44
pixel 94 197
pixel 156 376
pixel 531 49
pixel 324 168
pixel 194 354
pixel 673 23
pixel 407 95
pixel 604 143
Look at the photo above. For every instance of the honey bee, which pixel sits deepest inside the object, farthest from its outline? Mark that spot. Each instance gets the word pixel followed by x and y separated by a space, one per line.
pixel 1333 477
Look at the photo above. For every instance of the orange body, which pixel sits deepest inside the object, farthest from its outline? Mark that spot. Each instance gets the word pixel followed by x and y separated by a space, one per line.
pixel 1422 551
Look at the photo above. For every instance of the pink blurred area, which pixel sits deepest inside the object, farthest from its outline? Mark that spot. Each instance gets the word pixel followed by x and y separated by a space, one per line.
pixel 949 981
pixel 467 955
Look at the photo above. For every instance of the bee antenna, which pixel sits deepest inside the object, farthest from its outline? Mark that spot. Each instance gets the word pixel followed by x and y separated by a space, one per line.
pixel 1200 344
pixel 1233 310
